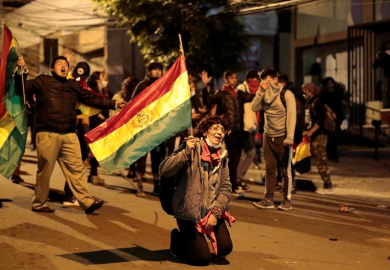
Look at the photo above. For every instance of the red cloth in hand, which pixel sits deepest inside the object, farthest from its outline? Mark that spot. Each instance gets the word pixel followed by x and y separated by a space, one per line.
pixel 201 227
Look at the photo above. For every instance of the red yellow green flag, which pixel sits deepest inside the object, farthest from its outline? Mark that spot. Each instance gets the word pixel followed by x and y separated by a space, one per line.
pixel 13 112
pixel 158 113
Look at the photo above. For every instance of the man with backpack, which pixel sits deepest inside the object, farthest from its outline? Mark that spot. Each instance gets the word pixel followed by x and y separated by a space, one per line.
pixel 279 127
pixel 315 117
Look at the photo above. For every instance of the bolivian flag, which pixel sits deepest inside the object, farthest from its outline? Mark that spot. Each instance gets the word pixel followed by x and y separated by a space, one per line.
pixel 158 113
pixel 13 113
pixel 301 159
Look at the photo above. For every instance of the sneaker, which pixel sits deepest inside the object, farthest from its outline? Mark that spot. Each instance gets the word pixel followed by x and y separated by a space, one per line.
pixel 156 188
pixel 17 179
pixel 293 190
pixel 325 191
pixel 70 202
pixel 238 193
pixel 285 205
pixel 130 176
pixel 174 249
pixel 243 186
pixel 264 204
pixel 140 192
pixel 96 180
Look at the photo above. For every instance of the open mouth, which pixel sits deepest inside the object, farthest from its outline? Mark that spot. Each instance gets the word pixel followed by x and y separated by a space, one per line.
pixel 217 138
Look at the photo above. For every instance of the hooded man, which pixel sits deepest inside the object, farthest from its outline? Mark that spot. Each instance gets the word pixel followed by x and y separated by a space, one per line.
pixel 279 127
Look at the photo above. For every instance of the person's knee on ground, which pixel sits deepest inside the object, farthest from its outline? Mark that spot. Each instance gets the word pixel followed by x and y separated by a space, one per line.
pixel 201 258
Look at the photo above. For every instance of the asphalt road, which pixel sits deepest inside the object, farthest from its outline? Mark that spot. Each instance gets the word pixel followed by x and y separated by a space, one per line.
pixel 133 233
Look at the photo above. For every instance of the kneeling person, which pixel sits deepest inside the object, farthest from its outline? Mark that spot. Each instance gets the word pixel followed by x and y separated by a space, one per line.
pixel 207 171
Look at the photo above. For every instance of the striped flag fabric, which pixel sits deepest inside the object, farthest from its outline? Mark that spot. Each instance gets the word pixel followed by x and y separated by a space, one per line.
pixel 13 112
pixel 302 157
pixel 159 112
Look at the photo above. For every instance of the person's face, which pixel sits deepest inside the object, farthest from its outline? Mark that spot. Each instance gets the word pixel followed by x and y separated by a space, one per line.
pixel 282 83
pixel 155 73
pixel 60 68
pixel 330 85
pixel 307 93
pixel 216 133
pixel 192 86
pixel 273 81
pixel 231 80
pixel 190 78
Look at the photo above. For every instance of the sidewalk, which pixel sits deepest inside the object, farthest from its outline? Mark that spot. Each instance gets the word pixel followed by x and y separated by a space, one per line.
pixel 357 174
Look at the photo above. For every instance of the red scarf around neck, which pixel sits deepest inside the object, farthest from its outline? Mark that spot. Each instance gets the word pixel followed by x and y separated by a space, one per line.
pixel 253 85
pixel 230 90
pixel 213 158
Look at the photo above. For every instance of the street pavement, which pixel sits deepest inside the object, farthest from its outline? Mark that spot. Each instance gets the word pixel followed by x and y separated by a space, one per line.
pixel 129 232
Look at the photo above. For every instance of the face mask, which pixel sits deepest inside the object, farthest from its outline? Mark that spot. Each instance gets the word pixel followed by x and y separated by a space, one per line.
pixel 193 93
pixel 104 84
pixel 209 143
pixel 253 85
pixel 305 96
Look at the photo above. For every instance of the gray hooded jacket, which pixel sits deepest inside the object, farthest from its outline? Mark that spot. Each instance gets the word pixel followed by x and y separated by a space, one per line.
pixel 197 191
pixel 279 121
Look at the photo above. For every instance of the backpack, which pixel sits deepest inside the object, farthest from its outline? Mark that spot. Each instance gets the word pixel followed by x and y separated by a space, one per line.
pixel 300 123
pixel 167 189
pixel 330 118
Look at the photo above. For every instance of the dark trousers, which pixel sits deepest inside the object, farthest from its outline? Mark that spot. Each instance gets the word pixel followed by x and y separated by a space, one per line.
pixel 194 246
pixel 277 156
pixel 234 144
pixel 94 167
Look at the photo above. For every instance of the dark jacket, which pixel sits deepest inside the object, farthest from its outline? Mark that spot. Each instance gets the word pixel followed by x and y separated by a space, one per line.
pixel 317 112
pixel 141 87
pixel 233 109
pixel 56 101
pixel 197 191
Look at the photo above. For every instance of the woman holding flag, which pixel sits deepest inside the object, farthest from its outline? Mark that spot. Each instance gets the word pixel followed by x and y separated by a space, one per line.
pixel 203 191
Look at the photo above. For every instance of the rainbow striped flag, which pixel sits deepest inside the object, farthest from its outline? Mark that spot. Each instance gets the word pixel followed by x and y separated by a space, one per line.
pixel 161 111
pixel 13 112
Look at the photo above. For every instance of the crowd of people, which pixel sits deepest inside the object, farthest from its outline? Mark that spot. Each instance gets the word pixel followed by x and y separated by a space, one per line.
pixel 236 127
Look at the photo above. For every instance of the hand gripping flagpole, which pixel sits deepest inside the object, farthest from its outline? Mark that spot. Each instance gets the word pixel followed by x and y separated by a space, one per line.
pixel 21 70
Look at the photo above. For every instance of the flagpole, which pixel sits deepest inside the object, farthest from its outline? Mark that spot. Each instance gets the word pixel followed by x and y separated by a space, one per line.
pixel 182 51
pixel 21 70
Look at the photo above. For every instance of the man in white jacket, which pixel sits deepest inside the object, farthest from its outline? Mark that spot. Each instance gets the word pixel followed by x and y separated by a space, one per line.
pixel 279 127
pixel 251 85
